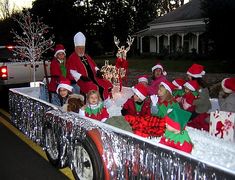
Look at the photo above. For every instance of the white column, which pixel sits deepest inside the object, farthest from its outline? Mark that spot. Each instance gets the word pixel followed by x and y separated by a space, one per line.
pixel 141 50
pixel 158 45
pixel 182 39
pixel 138 43
pixel 169 42
pixel 197 43
pixel 152 45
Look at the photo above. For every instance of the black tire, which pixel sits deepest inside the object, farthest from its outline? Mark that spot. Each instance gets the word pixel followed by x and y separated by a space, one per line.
pixel 52 146
pixel 90 166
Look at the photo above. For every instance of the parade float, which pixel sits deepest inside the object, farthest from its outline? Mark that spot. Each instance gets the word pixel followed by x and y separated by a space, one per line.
pixel 95 150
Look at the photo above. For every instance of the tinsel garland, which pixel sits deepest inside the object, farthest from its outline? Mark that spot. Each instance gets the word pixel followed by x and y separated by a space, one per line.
pixel 125 154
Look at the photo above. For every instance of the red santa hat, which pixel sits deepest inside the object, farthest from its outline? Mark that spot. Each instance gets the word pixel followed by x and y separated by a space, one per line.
pixel 143 78
pixel 228 85
pixel 178 83
pixel 79 39
pixel 196 71
pixel 168 85
pixel 58 49
pixel 64 83
pixel 192 85
pixel 159 66
pixel 140 90
pixel 177 118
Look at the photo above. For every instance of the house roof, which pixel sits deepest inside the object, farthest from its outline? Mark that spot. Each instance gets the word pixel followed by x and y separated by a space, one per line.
pixel 185 19
pixel 189 11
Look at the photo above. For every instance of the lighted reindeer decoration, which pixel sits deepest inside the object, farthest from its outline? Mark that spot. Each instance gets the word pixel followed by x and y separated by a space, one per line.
pixel 121 61
pixel 110 72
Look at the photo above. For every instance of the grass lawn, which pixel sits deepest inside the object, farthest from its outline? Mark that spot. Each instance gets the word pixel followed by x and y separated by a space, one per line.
pixel 146 63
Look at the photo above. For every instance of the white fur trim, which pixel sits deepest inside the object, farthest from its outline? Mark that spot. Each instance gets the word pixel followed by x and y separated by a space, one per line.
pixel 79 39
pixel 96 68
pixel 166 86
pixel 138 93
pixel 176 84
pixel 185 104
pixel 76 96
pixel 224 88
pixel 142 79
pixel 59 51
pixel 157 66
pixel 66 86
pixel 189 86
pixel 196 75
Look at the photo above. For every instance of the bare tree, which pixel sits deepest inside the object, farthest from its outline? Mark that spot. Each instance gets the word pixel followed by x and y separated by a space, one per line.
pixel 34 40
pixel 6 10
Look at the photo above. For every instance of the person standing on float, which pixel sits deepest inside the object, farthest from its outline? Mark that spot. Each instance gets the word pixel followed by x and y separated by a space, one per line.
pixel 82 69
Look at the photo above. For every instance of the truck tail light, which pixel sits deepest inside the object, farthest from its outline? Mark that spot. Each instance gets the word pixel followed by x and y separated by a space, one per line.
pixel 3 73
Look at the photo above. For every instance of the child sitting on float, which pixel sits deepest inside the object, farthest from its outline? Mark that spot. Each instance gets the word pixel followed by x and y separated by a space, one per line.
pixel 138 104
pixel 178 92
pixel 143 79
pixel 64 89
pixel 164 100
pixel 191 93
pixel 158 76
pixel 175 134
pixel 94 107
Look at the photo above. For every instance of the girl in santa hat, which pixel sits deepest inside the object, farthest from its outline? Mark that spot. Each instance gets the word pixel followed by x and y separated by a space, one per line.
pixel 138 104
pixel 143 79
pixel 175 134
pixel 164 100
pixel 178 92
pixel 158 76
pixel 94 107
pixel 191 94
pixel 227 95
pixel 64 89
pixel 200 117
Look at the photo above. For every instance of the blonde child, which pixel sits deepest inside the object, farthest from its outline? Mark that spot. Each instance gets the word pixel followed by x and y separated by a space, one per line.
pixel 94 107
pixel 163 100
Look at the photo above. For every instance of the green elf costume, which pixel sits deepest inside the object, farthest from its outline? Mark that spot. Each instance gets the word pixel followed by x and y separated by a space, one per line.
pixel 175 134
pixel 178 92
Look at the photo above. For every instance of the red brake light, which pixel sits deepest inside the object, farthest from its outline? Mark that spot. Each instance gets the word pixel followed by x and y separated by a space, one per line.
pixel 3 73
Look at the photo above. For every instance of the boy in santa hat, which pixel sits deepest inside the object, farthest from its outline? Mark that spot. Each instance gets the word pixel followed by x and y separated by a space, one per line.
pixel 164 100
pixel 175 134
pixel 83 71
pixel 227 95
pixel 191 93
pixel 138 104
pixel 64 89
pixel 178 92
pixel 158 76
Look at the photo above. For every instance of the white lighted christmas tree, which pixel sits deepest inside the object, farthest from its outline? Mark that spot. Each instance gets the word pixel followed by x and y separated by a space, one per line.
pixel 33 40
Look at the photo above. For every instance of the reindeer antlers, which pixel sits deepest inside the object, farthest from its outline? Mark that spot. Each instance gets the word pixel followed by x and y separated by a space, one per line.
pixel 116 41
pixel 129 41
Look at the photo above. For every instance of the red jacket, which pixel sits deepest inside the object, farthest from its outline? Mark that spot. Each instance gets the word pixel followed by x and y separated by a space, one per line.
pixel 56 75
pixel 187 101
pixel 99 116
pixel 129 105
pixel 74 62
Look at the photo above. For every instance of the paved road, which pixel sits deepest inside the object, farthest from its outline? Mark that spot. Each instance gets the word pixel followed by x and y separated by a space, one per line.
pixel 17 160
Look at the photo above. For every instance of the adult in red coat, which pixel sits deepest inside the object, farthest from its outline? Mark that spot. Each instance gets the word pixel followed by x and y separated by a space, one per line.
pixel 82 69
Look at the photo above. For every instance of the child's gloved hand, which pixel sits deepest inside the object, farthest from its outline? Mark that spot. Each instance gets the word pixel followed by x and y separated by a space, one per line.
pixel 154 99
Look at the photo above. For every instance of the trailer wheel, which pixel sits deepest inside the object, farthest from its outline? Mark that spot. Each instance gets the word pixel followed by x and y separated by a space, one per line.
pixel 86 160
pixel 51 146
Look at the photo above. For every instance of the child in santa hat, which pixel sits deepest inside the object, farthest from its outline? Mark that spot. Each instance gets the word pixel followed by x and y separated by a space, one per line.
pixel 158 76
pixel 200 117
pixel 57 71
pixel 138 104
pixel 64 89
pixel 178 92
pixel 191 93
pixel 175 134
pixel 143 79
pixel 94 107
pixel 227 95
pixel 164 100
